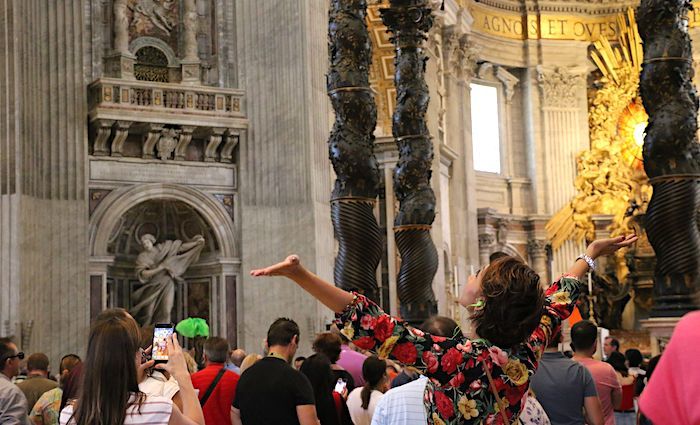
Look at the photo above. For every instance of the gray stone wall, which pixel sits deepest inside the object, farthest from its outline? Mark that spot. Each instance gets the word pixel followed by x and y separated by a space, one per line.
pixel 285 174
pixel 43 211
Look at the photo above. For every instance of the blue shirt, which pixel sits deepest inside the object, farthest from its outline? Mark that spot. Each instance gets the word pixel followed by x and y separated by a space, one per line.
pixel 402 405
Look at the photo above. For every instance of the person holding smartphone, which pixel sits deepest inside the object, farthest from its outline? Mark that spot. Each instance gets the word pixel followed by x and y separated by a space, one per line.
pixel 113 368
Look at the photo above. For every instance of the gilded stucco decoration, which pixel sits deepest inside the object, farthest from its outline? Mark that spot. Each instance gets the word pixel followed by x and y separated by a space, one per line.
pixel 610 179
pixel 382 70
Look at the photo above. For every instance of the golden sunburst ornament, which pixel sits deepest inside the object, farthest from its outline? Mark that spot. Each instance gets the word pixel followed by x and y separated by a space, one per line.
pixel 631 129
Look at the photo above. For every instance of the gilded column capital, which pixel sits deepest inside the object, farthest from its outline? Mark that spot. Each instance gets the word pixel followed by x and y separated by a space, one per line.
pixel 560 87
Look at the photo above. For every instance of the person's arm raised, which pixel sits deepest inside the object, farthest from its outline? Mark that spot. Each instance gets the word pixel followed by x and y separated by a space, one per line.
pixel 177 367
pixel 331 296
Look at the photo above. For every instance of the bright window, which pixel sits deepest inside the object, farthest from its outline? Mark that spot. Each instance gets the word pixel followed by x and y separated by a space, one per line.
pixel 486 139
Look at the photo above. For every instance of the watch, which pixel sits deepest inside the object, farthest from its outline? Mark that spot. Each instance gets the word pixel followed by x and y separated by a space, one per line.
pixel 588 260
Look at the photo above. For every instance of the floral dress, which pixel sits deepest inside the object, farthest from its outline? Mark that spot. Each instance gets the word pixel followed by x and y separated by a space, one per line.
pixel 458 389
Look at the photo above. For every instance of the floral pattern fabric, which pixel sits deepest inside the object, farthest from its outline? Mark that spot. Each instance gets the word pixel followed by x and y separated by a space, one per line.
pixel 458 389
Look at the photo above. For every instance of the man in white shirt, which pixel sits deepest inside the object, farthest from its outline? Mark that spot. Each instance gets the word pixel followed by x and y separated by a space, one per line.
pixel 402 405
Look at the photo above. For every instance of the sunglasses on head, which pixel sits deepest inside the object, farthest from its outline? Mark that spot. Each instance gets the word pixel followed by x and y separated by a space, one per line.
pixel 19 355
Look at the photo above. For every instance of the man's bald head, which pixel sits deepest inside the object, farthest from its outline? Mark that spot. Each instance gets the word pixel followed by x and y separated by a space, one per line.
pixel 237 357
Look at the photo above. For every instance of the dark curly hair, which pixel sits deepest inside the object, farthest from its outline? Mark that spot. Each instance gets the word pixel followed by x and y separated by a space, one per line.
pixel 514 301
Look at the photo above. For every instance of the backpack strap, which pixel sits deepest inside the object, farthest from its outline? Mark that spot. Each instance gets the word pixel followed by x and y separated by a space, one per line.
pixel 213 385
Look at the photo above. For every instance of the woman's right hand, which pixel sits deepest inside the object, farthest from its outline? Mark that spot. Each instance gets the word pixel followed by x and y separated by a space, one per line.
pixel 176 365
pixel 287 268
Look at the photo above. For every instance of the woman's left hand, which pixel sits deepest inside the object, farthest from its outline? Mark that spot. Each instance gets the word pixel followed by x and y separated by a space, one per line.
pixel 142 369
pixel 609 246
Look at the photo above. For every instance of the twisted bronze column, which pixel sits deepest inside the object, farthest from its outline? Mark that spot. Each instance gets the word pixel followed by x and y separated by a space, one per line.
pixel 351 149
pixel 409 21
pixel 671 154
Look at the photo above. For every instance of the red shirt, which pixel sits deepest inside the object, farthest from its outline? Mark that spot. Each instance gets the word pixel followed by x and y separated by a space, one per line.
pixel 218 408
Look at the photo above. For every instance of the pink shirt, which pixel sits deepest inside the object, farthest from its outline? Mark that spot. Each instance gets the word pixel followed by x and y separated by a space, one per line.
pixel 605 383
pixel 671 396
pixel 352 362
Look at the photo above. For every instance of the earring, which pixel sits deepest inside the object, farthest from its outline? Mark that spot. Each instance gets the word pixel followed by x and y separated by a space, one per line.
pixel 478 305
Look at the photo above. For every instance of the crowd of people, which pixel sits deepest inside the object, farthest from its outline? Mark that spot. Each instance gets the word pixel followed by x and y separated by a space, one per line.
pixel 371 368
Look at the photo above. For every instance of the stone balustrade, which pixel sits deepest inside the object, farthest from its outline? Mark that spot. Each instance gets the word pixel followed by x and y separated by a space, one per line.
pixel 164 117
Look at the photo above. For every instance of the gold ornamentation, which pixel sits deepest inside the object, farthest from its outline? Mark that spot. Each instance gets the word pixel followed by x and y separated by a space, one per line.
pixel 610 176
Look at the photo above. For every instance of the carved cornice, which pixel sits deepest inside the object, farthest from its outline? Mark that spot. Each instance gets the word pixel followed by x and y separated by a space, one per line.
pixel 560 88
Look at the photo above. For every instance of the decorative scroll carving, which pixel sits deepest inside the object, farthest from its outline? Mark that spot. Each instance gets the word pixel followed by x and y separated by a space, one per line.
pixel 671 155
pixel 184 142
pixel 351 148
pixel 560 88
pixel 121 132
pixel 210 153
pixel 231 140
pixel 103 131
pixel 408 21
pixel 152 138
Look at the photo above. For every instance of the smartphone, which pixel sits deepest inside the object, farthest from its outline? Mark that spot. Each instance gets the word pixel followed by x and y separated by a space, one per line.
pixel 161 332
pixel 340 385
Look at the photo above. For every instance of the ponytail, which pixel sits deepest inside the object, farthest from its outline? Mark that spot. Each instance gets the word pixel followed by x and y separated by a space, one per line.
pixel 374 371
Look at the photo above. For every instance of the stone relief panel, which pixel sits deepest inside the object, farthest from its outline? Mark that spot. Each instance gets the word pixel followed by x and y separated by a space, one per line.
pixel 154 18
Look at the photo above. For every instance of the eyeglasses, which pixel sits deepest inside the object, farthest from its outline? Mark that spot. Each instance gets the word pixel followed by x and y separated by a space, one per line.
pixel 19 355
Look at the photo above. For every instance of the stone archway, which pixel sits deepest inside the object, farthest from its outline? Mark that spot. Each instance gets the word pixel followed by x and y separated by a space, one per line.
pixel 175 212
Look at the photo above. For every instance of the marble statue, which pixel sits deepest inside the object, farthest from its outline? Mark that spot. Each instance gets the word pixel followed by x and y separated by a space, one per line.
pixel 158 267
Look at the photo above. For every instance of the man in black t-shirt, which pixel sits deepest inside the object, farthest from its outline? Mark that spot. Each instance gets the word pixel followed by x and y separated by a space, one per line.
pixel 271 391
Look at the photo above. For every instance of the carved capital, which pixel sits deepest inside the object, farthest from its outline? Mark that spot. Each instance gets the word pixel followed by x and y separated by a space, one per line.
pixel 560 88
pixel 486 241
pixel 461 56
pixel 537 248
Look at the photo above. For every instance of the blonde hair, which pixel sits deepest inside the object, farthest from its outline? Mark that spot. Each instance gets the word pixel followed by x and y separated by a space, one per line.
pixel 249 361
pixel 191 364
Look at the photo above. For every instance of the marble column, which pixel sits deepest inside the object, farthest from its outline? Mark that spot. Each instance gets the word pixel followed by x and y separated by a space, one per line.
pixel 564 135
pixel 537 250
pixel 190 62
pixel 120 62
pixel 460 60
pixel 44 208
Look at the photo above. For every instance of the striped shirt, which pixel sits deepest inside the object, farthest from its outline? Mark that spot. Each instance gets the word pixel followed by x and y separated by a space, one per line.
pixel 154 411
pixel 402 405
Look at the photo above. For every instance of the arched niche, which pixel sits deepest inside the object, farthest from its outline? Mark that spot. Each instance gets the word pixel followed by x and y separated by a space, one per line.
pixel 168 211
pixel 155 60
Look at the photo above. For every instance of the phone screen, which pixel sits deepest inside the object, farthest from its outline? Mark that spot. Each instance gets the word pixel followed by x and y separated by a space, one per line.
pixel 161 332
pixel 340 385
